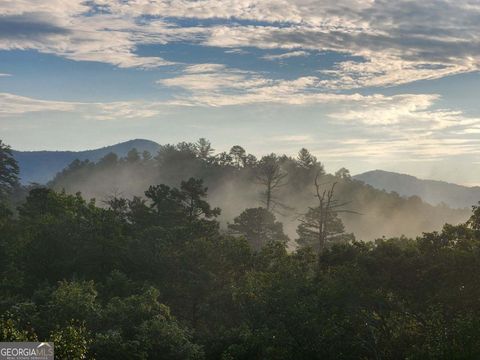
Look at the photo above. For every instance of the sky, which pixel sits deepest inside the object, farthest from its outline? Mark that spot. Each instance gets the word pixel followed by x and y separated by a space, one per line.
pixel 362 84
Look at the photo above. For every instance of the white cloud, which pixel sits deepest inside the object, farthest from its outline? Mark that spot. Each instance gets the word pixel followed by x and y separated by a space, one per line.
pixel 389 71
pixel 400 41
pixel 407 127
pixel 210 78
pixel 66 31
pixel 386 61
pixel 130 110
pixel 11 104
pixel 217 85
pixel 386 128
pixel 286 55
pixel 396 149
pixel 411 109
pixel 15 105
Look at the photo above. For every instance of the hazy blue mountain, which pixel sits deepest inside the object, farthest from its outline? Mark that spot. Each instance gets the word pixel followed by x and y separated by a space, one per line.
pixel 431 191
pixel 41 166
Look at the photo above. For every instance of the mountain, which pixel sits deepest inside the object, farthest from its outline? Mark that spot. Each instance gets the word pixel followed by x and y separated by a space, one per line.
pixel 431 191
pixel 42 166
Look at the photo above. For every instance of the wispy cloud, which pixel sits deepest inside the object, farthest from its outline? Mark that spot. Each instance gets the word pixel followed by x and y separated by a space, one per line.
pixel 217 85
pixel 414 110
pixel 380 127
pixel 286 55
pixel 398 41
pixel 14 105
pixel 71 34
pixel 11 104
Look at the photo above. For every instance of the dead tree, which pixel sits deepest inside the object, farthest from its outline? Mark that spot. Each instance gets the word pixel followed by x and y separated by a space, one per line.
pixel 321 223
pixel 270 175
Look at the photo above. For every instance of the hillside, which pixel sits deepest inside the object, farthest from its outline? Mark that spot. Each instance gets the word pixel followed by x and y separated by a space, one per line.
pixel 234 187
pixel 431 191
pixel 42 166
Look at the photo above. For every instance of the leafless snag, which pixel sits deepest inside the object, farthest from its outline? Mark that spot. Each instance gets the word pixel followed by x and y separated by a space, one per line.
pixel 270 175
pixel 317 223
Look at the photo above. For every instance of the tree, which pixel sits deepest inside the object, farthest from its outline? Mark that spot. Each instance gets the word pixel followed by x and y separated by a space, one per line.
pixel 73 300
pixel 9 170
pixel 186 147
pixel 146 156
pixel 187 203
pixel 250 160
pixel 270 175
pixel 321 223
pixel 133 156
pixel 316 229
pixel 162 334
pixel 10 330
pixel 193 194
pixel 343 174
pixel 87 238
pixel 141 327
pixel 223 159
pixel 71 341
pixel 474 220
pixel 306 160
pixel 203 149
pixel 259 227
pixel 165 201
pixel 108 160
pixel 239 156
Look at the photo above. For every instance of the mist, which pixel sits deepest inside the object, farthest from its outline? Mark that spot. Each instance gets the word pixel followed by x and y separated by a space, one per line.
pixel 233 187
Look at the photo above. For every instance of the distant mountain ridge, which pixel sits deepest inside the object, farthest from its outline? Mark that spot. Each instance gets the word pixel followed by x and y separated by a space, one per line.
pixel 431 191
pixel 42 166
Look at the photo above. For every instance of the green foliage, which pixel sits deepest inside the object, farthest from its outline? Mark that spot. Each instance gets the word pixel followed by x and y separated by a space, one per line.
pixel 71 342
pixel 233 181
pixel 308 230
pixel 60 235
pixel 239 156
pixel 259 227
pixel 158 278
pixel 203 149
pixel 74 300
pixel 306 160
pixel 10 330
pixel 163 338
pixel 8 171
pixel 343 174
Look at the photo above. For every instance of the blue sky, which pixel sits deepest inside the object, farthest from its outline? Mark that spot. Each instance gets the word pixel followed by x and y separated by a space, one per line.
pixel 361 83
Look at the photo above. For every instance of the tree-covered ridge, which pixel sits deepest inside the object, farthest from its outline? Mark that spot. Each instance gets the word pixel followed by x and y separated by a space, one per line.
pixel 238 180
pixel 141 279
pixel 156 278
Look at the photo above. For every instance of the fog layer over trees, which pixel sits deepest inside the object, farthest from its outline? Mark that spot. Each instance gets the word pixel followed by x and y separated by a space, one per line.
pixel 237 180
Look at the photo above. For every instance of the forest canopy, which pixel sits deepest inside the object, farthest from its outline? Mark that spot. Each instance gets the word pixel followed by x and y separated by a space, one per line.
pixel 156 275
pixel 238 180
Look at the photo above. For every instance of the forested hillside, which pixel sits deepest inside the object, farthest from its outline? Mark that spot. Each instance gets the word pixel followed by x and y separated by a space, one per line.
pixel 431 191
pixel 41 166
pixel 236 181
pixel 155 277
